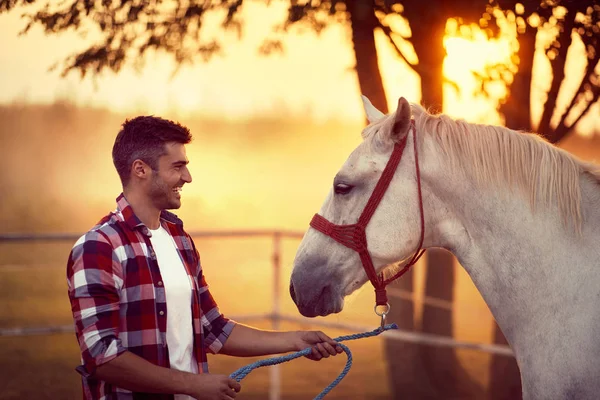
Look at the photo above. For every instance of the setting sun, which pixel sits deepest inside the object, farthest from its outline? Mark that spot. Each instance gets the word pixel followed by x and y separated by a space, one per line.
pixel 470 55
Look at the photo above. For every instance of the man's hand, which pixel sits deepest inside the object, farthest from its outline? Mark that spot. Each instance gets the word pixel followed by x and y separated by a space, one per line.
pixel 322 345
pixel 132 372
pixel 213 387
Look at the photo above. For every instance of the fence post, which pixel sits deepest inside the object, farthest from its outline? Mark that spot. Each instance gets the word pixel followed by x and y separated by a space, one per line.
pixel 275 370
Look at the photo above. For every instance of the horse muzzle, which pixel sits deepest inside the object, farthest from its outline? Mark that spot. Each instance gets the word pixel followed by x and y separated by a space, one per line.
pixel 315 300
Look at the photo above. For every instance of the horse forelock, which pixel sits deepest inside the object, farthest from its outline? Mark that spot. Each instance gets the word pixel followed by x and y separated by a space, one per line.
pixel 495 155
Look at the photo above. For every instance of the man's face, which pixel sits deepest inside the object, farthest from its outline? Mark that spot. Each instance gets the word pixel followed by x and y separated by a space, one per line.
pixel 166 183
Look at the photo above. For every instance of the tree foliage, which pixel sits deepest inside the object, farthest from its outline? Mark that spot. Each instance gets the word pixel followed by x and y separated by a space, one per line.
pixel 568 21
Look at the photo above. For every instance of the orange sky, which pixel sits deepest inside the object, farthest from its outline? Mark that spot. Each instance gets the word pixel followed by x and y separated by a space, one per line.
pixel 314 76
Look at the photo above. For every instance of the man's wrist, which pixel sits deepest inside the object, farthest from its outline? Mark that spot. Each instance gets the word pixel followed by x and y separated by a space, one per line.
pixel 185 382
pixel 295 341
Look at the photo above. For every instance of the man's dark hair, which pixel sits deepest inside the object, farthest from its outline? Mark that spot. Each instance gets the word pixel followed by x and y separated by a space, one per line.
pixel 144 138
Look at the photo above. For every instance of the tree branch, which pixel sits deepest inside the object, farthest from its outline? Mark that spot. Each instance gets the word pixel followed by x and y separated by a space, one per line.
pixel 7 5
pixel 562 130
pixel 558 74
pixel 388 33
pixel 589 72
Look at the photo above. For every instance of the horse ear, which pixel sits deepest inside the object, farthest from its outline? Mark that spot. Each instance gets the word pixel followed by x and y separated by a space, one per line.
pixel 401 121
pixel 373 114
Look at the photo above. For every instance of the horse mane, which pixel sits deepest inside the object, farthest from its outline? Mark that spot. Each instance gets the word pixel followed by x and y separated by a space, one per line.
pixel 497 155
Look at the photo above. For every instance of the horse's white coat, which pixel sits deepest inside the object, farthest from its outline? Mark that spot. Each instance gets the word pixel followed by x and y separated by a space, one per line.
pixel 534 257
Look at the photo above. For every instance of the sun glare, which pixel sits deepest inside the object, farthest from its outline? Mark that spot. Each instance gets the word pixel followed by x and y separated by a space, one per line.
pixel 475 70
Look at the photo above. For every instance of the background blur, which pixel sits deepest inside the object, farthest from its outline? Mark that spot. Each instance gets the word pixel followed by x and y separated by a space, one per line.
pixel 270 132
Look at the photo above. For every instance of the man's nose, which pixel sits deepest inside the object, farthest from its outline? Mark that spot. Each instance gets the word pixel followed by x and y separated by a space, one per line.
pixel 186 176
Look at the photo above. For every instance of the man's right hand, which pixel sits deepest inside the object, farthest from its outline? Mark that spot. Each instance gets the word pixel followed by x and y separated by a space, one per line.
pixel 213 387
pixel 134 373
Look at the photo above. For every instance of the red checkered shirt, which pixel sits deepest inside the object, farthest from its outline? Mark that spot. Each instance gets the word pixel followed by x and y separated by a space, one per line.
pixel 118 299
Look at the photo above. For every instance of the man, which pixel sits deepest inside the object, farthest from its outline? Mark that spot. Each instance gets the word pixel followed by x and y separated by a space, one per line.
pixel 143 314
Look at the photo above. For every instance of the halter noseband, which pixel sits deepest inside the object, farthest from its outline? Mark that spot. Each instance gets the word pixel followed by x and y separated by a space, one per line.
pixel 354 237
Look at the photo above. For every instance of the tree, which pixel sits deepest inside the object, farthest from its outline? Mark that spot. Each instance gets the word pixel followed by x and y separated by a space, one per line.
pixel 572 21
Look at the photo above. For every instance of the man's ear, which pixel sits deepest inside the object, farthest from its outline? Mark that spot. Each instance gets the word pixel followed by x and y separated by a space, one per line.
pixel 373 114
pixel 401 121
pixel 140 169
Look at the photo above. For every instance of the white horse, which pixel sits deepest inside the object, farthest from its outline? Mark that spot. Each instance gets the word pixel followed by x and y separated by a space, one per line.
pixel 521 216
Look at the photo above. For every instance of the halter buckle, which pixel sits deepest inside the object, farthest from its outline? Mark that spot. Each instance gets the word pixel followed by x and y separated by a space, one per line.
pixel 382 314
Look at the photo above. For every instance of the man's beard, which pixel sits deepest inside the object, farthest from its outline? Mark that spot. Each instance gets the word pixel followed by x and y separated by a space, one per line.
pixel 162 195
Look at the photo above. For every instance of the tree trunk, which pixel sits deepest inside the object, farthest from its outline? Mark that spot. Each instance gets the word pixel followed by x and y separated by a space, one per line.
pixel 441 363
pixel 363 22
pixel 443 367
pixel 505 378
pixel 419 371
pixel 402 356
pixel 517 108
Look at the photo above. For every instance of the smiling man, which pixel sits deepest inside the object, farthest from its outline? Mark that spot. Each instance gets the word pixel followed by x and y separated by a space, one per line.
pixel 143 314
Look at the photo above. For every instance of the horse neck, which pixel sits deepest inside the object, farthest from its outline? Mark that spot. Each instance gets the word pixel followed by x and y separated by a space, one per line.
pixel 520 260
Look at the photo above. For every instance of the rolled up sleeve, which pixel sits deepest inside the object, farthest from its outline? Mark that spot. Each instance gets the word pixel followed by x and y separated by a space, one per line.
pixel 216 326
pixel 94 278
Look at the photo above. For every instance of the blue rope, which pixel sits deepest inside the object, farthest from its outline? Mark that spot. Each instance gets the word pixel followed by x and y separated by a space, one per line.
pixel 244 371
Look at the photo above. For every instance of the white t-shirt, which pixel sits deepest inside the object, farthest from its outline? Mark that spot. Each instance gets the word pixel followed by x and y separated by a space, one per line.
pixel 178 289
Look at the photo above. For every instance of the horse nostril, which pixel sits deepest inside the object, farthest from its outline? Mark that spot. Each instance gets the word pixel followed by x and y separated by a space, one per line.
pixel 292 292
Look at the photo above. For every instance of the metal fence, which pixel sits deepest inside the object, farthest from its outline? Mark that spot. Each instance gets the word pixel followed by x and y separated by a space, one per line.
pixel 275 316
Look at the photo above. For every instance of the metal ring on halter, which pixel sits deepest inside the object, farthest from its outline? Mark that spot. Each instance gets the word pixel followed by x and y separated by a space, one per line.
pixel 383 313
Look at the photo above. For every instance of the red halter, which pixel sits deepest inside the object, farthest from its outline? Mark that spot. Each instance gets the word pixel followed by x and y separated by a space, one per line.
pixel 354 237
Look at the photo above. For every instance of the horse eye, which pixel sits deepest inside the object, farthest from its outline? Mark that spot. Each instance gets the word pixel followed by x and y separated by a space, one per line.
pixel 342 188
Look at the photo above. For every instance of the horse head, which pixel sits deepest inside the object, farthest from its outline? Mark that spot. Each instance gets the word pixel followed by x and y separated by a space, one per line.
pixel 325 271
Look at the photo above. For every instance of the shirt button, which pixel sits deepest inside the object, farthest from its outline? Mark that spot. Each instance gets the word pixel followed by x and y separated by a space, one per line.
pixel 160 283
pixel 161 313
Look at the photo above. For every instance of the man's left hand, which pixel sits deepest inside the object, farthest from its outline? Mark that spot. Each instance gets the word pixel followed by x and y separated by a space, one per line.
pixel 322 345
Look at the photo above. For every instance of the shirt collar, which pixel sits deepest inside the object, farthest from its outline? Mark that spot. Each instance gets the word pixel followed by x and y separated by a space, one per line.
pixel 134 222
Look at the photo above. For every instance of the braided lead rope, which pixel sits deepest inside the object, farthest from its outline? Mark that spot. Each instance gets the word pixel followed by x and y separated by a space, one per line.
pixel 244 371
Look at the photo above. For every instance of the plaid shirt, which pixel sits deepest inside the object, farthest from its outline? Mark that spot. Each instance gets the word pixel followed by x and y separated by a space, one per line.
pixel 118 299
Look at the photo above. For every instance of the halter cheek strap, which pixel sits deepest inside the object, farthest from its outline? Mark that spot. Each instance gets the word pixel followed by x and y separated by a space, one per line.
pixel 354 237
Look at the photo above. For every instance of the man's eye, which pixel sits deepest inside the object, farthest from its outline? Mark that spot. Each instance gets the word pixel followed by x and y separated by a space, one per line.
pixel 342 188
